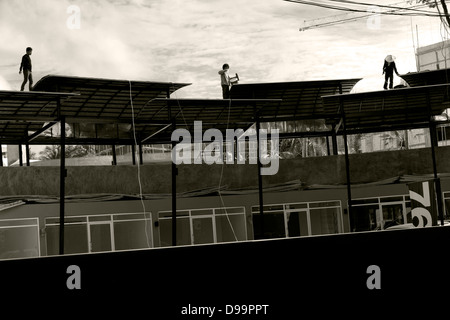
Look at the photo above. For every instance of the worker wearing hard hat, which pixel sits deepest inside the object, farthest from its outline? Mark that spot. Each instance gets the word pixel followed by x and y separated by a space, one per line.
pixel 388 71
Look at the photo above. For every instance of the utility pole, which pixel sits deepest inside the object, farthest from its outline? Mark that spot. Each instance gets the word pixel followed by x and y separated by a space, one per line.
pixel 444 7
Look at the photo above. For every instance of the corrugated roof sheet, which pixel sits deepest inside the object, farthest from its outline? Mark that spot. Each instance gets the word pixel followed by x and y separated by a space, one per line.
pixel 98 109
pixel 389 109
pixel 108 99
pixel 299 100
pixel 23 111
pixel 427 78
pixel 217 113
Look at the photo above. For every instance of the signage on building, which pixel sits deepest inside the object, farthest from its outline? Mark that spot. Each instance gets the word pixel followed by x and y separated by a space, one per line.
pixel 423 204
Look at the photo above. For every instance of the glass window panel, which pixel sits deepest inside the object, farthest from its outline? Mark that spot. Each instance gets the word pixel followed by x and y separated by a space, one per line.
pixel 99 218
pixel 364 201
pixel 273 225
pixel 324 204
pixel 392 215
pixel 51 221
pixel 297 223
pixel 183 232
pixel 19 242
pixel 297 206
pixel 168 214
pixel 364 218
pixel 132 234
pixel 17 222
pixel 100 237
pixel 267 208
pixel 392 199
pixel 225 225
pixel 75 239
pixel 408 213
pixel 324 221
pixel 66 219
pixel 229 210
pixel 201 212
pixel 131 216
pixel 202 229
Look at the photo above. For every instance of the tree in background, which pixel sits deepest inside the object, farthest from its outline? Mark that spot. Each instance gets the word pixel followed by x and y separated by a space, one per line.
pixel 54 152
pixel 435 4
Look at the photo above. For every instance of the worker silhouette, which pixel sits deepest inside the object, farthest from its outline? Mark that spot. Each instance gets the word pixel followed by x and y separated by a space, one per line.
pixel 25 65
pixel 388 70
pixel 226 81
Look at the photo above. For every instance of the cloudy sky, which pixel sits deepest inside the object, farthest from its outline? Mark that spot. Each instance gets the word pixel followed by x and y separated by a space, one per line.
pixel 189 40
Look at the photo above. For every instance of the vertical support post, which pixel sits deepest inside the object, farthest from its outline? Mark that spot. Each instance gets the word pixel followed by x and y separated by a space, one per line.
pixel 328 145
pixel 347 160
pixel 1 158
pixel 141 157
pixel 114 155
pixel 174 175
pixel 133 153
pixel 437 180
pixel 62 178
pixel 174 197
pixel 260 182
pixel 27 154
pixel 434 144
pixel 334 142
pixel 20 155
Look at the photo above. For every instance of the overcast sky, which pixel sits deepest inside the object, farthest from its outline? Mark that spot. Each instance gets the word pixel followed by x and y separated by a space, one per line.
pixel 189 40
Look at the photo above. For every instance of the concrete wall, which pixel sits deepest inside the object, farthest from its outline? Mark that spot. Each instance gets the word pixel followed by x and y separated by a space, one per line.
pixel 156 178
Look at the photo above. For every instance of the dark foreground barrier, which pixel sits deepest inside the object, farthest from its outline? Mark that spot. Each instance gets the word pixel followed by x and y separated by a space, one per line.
pixel 349 275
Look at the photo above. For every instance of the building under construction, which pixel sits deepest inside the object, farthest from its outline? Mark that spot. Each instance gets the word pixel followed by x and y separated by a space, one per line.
pixel 140 203
pixel 121 207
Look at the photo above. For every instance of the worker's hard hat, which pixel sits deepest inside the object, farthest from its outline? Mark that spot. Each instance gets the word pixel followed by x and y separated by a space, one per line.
pixel 389 58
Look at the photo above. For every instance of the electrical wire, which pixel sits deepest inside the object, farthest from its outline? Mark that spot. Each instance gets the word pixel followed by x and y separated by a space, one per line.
pixel 223 163
pixel 221 177
pixel 141 196
pixel 338 19
pixel 414 12
pixel 393 6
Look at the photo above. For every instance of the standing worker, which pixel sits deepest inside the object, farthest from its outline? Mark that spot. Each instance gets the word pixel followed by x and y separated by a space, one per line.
pixel 225 81
pixel 388 71
pixel 26 66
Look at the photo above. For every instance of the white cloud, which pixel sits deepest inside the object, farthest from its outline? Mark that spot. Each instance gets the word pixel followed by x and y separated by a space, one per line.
pixel 4 85
pixel 188 41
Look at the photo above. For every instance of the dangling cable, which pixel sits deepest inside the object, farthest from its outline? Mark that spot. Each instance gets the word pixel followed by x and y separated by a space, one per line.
pixel 141 196
pixel 220 180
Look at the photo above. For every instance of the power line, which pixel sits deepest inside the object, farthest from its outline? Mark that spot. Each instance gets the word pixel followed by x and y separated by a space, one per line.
pixel 342 18
pixel 394 10
pixel 391 6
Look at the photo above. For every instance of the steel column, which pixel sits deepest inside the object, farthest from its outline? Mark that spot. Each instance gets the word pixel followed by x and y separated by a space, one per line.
pixel 62 178
pixel 347 160
pixel 260 182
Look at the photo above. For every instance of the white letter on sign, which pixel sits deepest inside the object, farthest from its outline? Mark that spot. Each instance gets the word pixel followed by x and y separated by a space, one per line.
pixel 421 213
pixel 374 281
pixel 74 281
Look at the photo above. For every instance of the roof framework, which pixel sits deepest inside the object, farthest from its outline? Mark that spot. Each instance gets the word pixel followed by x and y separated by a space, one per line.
pixel 386 110
pixel 298 100
pixel 147 107
pixel 103 111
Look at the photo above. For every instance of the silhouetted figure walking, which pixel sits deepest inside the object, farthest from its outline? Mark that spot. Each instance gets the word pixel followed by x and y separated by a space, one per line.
pixel 26 66
pixel 388 71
